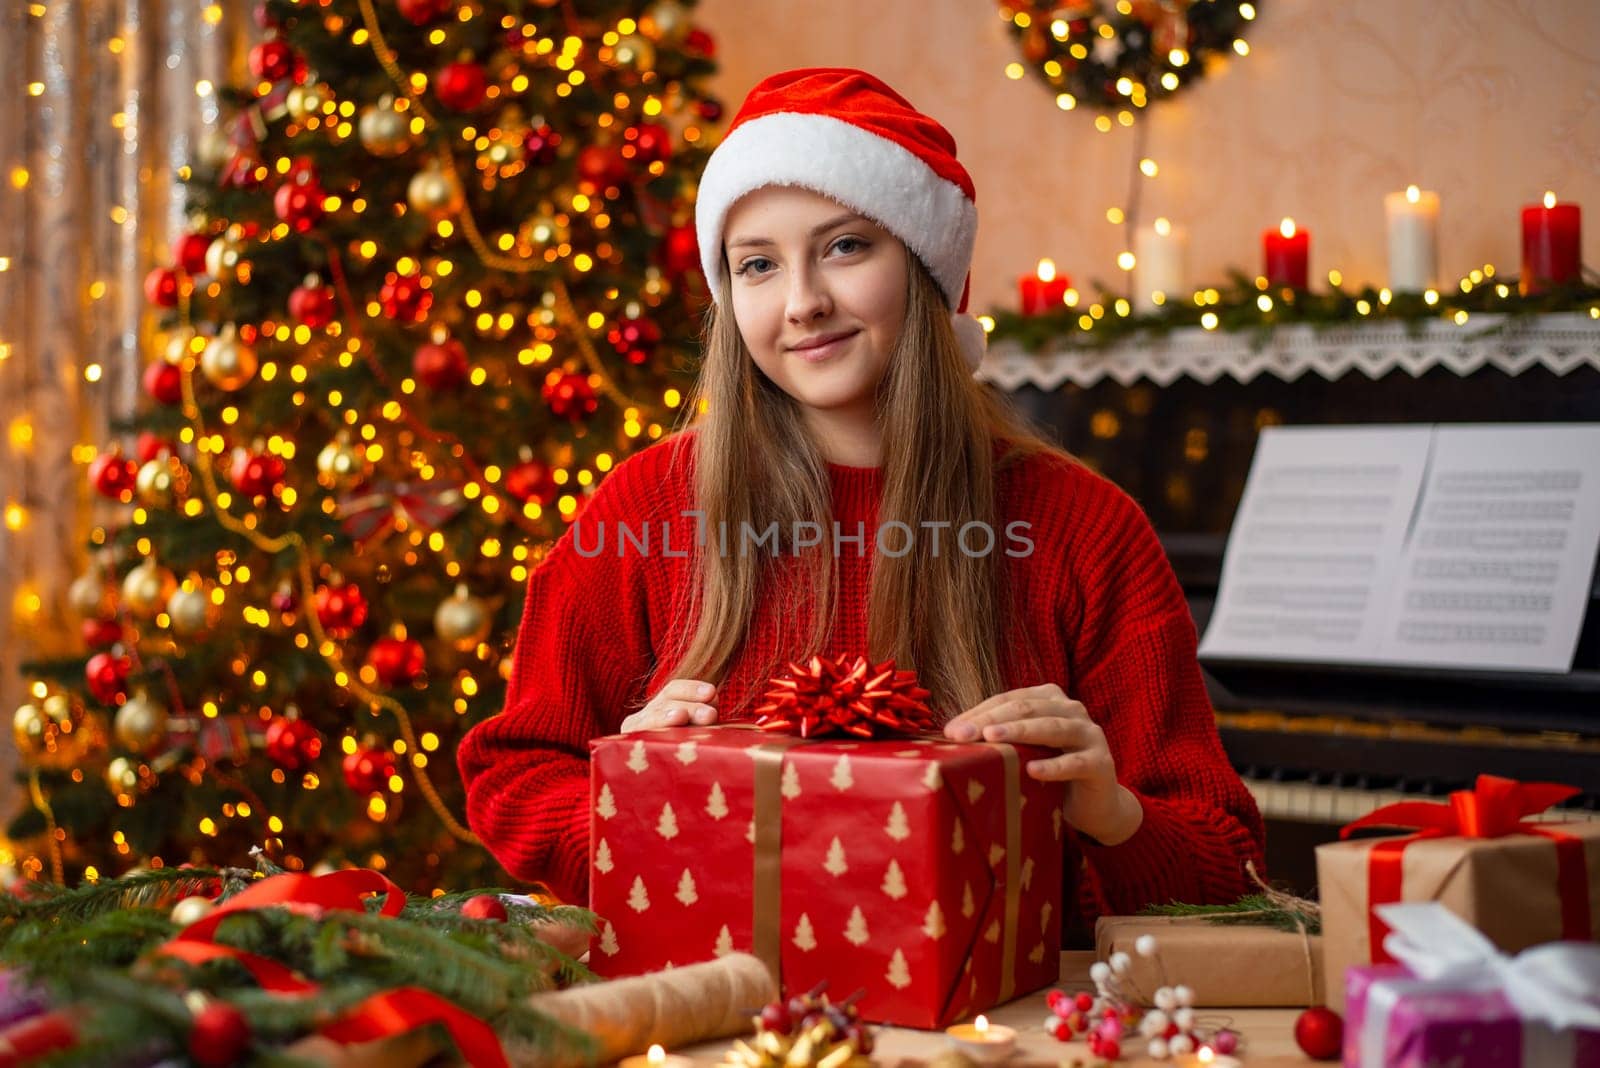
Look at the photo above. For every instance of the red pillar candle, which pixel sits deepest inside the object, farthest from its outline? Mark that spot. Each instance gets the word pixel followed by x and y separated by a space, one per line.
pixel 1288 255
pixel 1043 290
pixel 1552 245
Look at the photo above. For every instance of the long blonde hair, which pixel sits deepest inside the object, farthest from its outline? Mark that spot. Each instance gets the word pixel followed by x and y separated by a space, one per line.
pixel 939 615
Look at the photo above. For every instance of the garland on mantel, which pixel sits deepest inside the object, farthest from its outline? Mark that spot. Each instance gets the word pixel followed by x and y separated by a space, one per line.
pixel 1247 305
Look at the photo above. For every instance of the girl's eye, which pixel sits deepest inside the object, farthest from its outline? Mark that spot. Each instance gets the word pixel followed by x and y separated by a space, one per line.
pixel 847 245
pixel 756 265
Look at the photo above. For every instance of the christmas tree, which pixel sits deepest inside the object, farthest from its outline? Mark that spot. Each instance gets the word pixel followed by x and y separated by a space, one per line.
pixel 441 278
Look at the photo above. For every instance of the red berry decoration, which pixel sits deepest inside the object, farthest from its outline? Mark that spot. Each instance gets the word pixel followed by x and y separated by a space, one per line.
pixel 272 61
pixel 107 676
pixel 844 695
pixel 404 298
pixel 635 340
pixel 312 303
pixel 648 142
pixel 256 474
pixel 540 145
pixel 161 287
pixel 220 1037
pixel 397 661
pixel 299 202
pixel 112 475
pixel 461 86
pixel 531 480
pixel 570 396
pixel 485 907
pixel 775 1017
pixel 340 609
pixel 163 382
pixel 189 252
pixel 602 166
pixel 292 743
pixel 1319 1031
pixel 101 633
pixel 441 365
pixel 422 12
pixel 680 251
pixel 368 770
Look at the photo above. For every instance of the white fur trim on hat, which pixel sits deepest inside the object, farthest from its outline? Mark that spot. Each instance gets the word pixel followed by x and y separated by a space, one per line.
pixel 870 174
pixel 973 338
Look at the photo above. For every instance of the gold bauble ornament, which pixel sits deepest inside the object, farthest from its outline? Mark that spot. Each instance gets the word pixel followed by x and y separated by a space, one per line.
pixel 383 130
pixel 190 610
pixel 141 723
pixel 191 910
pixel 28 729
pixel 666 20
pixel 228 363
pixel 176 349
pixel 91 596
pixel 435 192
pixel 122 776
pixel 635 52
pixel 340 464
pixel 146 588
pixel 222 256
pixel 545 230
pixel 462 619
pixel 502 153
pixel 154 483
pixel 307 100
pixel 53 733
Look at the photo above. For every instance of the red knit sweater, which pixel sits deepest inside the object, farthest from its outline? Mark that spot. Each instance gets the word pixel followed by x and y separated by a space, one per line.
pixel 1108 620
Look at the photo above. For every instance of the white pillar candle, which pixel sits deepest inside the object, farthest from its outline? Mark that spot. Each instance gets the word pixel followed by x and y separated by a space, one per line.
pixel 1413 218
pixel 1160 252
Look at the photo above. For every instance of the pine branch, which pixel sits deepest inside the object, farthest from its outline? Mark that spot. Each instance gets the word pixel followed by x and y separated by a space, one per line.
pixel 1252 909
pixel 147 889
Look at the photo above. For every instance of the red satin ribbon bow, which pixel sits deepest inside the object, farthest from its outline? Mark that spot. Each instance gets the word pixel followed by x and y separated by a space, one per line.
pixel 844 695
pixel 1494 808
pixel 392 1012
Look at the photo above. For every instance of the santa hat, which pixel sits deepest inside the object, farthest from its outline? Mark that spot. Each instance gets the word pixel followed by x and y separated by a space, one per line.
pixel 847 135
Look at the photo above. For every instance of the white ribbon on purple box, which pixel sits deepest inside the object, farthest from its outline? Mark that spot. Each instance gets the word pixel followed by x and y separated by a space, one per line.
pixel 1556 985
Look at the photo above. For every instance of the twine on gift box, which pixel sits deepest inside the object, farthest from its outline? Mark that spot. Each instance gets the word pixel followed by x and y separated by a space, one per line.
pixel 1297 909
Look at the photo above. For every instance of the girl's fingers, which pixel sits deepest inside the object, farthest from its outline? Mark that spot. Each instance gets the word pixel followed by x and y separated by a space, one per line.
pixel 1059 732
pixel 1063 768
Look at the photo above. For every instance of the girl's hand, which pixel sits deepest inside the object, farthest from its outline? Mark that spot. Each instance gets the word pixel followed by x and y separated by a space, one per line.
pixel 680 703
pixel 1097 805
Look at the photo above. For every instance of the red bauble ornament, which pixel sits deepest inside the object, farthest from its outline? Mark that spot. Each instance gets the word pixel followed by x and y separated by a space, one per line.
pixel 340 609
pixel 397 661
pixel 698 40
pixel 161 287
pixel 256 474
pixel 189 252
pixel 164 382
pixel 844 695
pixel 112 475
pixel 710 109
pixel 272 61
pixel 602 166
pixel 539 146
pixel 650 142
pixel 101 633
pixel 107 676
pixel 570 396
pixel 151 446
pixel 680 251
pixel 292 743
pixel 441 365
pixel 220 1037
pixel 313 304
pixel 461 86
pixel 635 340
pixel 531 480
pixel 1319 1031
pixel 299 203
pixel 367 771
pixel 422 12
pixel 264 18
pixel 404 298
pixel 485 907
pixel 243 171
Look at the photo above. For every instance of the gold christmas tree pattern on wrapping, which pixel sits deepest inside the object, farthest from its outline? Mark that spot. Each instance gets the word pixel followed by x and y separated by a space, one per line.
pixel 835 863
pixel 606 806
pixel 898 826
pixel 667 825
pixel 805 936
pixel 602 858
pixel 894 881
pixel 855 929
pixel 638 895
pixel 899 973
pixel 716 802
pixel 438 280
pixel 933 923
pixel 842 779
pixel 687 893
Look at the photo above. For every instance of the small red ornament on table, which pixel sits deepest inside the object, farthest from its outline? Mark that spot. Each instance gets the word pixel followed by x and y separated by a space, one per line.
pixel 844 695
pixel 1319 1031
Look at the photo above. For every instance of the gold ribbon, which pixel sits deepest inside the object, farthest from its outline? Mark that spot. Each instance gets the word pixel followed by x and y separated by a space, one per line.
pixel 1008 958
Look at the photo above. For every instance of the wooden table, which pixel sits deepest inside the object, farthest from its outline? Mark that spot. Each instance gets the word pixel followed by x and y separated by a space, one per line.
pixel 1268 1034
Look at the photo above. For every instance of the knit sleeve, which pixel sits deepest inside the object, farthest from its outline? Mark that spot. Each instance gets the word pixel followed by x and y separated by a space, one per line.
pixel 583 656
pixel 1134 667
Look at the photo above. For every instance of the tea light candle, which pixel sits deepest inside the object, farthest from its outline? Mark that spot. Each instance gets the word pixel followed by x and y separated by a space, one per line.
pixel 1551 244
pixel 1288 254
pixel 1206 1057
pixel 1159 253
pixel 1043 290
pixel 656 1058
pixel 983 1042
pixel 1413 223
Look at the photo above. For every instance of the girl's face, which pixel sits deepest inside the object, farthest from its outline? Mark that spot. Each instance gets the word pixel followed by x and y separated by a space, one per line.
pixel 819 295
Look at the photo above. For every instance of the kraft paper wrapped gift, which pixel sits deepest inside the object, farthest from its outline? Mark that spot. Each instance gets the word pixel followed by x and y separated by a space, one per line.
pixel 1226 965
pixel 1519 881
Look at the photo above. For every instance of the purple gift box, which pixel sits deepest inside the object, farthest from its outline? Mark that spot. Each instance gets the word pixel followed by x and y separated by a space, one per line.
pixel 1395 1020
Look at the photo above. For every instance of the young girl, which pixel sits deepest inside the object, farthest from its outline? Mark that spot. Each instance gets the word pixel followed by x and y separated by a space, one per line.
pixel 850 488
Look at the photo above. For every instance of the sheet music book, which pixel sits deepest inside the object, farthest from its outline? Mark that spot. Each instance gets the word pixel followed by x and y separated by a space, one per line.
pixel 1469 546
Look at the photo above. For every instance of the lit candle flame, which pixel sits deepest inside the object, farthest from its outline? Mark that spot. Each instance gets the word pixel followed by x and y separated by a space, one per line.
pixel 1163 227
pixel 981 1025
pixel 1204 1054
pixel 1286 228
pixel 656 1055
pixel 1413 194
pixel 1549 199
pixel 1047 271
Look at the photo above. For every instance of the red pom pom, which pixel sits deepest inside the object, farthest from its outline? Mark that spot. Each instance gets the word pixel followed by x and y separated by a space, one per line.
pixel 485 907
pixel 189 252
pixel 220 1037
pixel 340 609
pixel 461 86
pixel 531 481
pixel 367 771
pixel 570 396
pixel 397 661
pixel 1084 1001
pixel 292 743
pixel 441 366
pixel 844 695
pixel 1319 1031
pixel 112 475
pixel 312 304
pixel 163 382
pixel 161 287
pixel 107 676
pixel 272 61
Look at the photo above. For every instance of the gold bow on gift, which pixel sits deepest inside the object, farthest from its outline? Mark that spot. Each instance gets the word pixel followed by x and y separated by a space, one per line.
pixel 427 506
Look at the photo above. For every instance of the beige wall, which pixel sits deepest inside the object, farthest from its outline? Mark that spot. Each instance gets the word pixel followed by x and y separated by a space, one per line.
pixel 1489 102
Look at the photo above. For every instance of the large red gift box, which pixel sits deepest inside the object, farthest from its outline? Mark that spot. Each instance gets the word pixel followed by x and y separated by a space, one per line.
pixel 924 873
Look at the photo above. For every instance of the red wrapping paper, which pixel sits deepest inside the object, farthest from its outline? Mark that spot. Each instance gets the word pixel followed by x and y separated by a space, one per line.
pixel 890 870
